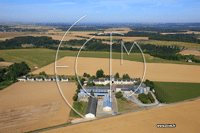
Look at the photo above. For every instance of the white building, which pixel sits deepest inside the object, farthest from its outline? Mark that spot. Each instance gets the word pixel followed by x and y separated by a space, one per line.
pixel 91 108
pixel 107 104
pixel 65 79
pixel 30 79
pixel 47 79
pixel 39 79
pixel 21 79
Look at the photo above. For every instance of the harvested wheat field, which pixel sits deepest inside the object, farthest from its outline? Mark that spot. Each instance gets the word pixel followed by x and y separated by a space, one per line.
pixel 154 71
pixel 123 38
pixel 2 63
pixel 188 52
pixel 27 106
pixel 184 115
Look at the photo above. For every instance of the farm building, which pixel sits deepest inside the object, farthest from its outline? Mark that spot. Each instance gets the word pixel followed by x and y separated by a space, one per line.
pixel 48 79
pixel 30 79
pixel 39 79
pixel 114 81
pixel 132 88
pixel 54 79
pixel 189 60
pixel 21 79
pixel 83 95
pixel 99 91
pixel 91 108
pixel 65 79
pixel 107 104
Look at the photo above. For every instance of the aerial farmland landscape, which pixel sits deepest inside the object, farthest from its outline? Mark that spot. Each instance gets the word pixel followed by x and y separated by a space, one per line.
pixel 99 67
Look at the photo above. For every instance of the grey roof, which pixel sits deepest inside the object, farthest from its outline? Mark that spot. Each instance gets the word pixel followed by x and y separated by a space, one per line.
pixel 92 106
pixel 129 86
pixel 48 78
pixel 65 78
pixel 97 87
pixel 106 102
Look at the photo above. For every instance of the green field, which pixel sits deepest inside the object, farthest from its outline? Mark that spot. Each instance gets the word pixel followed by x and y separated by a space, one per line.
pixel 175 92
pixel 81 107
pixel 170 43
pixel 41 57
pixel 5 84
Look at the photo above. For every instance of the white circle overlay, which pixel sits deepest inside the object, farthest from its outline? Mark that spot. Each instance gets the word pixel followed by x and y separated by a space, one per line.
pixel 59 88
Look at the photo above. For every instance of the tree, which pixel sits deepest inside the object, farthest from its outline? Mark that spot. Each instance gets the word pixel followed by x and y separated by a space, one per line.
pixel 75 97
pixel 88 75
pixel 117 75
pixel 42 73
pixel 92 93
pixel 90 83
pixel 118 94
pixel 99 73
pixel 126 76
pixel 143 98
pixel 85 75
pixel 151 97
pixel 93 77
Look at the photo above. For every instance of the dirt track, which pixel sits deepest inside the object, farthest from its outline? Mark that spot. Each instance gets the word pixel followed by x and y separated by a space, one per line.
pixel 185 116
pixel 154 72
pixel 29 106
pixel 2 63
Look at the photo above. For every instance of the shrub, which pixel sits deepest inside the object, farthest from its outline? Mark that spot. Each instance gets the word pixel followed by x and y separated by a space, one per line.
pixel 1 59
pixel 151 97
pixel 75 97
pixel 123 99
pixel 85 75
pixel 88 75
pixel 143 98
pixel 118 94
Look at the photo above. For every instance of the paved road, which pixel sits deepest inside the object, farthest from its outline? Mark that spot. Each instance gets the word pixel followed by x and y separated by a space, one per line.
pixel 114 101
pixel 135 100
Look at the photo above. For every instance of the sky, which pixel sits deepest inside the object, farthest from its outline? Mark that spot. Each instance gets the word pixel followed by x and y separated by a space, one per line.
pixel 100 11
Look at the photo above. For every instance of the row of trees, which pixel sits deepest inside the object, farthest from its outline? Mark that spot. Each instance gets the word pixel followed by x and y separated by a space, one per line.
pixel 75 97
pixel 36 41
pixel 160 95
pixel 146 98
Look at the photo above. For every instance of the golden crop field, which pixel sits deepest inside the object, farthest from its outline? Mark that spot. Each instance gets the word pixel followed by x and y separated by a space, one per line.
pixel 188 52
pixel 184 115
pixel 155 71
pixel 27 106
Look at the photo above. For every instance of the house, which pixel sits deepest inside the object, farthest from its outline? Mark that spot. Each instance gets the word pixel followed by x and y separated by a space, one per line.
pixel 91 108
pixel 189 60
pixel 30 79
pixel 39 79
pixel 114 81
pixel 47 79
pixel 107 104
pixel 21 79
pixel 65 79
pixel 132 88
pixel 54 79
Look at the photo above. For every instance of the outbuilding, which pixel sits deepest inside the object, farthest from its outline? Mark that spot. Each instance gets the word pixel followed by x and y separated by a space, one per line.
pixel 107 104
pixel 91 108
